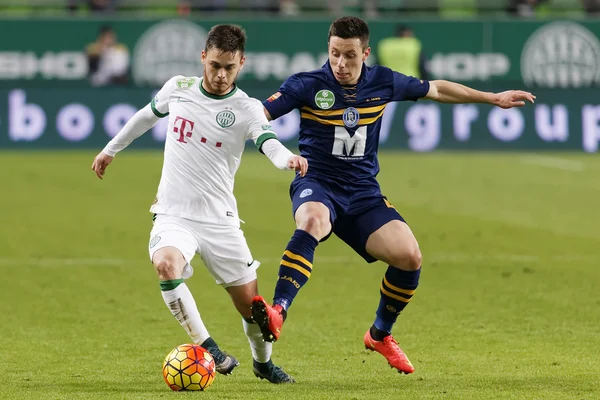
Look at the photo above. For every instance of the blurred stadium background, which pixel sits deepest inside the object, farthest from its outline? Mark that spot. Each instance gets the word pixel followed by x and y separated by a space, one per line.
pixel 436 8
pixel 503 202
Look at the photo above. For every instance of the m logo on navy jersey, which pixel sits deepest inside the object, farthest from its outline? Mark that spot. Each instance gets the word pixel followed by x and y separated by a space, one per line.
pixel 346 146
pixel 225 118
pixel 351 117
pixel 324 99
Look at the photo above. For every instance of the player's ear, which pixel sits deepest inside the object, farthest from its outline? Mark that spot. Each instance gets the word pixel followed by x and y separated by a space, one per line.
pixel 242 60
pixel 203 56
pixel 366 53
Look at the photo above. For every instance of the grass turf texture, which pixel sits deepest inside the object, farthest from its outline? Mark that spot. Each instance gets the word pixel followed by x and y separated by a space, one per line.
pixel 508 305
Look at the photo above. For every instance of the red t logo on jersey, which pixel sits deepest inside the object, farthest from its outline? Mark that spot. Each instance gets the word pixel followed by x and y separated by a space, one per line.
pixel 181 129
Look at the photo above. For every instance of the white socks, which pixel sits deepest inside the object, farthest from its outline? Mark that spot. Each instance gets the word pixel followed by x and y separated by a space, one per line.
pixel 182 305
pixel 261 350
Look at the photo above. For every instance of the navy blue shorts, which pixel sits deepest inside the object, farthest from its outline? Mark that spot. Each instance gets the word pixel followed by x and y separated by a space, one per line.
pixel 355 212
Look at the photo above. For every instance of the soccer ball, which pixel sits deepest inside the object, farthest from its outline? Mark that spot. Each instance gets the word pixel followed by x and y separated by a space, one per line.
pixel 189 367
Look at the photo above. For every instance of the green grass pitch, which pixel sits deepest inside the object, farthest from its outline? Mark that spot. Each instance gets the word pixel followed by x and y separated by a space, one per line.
pixel 508 306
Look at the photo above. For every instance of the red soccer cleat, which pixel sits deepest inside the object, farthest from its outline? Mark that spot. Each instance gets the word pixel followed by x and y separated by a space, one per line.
pixel 391 351
pixel 269 319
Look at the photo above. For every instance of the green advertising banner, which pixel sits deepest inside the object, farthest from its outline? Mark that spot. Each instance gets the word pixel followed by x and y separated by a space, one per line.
pixel 549 54
pixel 88 118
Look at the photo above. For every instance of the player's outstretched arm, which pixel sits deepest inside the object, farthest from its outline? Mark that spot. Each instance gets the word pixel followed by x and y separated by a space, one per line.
pixel 282 158
pixel 140 123
pixel 451 92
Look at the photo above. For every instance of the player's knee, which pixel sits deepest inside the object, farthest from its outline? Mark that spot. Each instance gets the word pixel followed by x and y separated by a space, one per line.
pixel 409 259
pixel 316 224
pixel 166 268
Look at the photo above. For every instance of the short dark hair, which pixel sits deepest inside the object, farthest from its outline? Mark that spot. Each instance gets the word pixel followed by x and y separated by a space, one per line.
pixel 350 28
pixel 402 30
pixel 104 29
pixel 227 38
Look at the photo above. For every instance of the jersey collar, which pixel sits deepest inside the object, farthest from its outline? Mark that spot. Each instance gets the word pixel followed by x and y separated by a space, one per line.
pixel 217 97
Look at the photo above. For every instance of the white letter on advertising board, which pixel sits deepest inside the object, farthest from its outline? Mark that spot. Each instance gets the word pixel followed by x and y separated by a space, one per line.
pixel 591 129
pixel 463 116
pixel 422 123
pixel 552 125
pixel 75 122
pixel 506 125
pixel 26 122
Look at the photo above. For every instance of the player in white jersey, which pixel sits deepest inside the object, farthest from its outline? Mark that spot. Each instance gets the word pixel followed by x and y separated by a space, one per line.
pixel 210 119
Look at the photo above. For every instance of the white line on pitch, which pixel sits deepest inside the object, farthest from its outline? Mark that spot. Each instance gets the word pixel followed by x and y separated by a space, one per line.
pixel 554 162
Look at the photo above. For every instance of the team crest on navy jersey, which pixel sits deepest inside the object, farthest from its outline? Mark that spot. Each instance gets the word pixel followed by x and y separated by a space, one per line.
pixel 351 117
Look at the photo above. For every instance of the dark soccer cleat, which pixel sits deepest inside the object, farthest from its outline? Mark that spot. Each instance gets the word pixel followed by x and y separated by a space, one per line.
pixel 269 319
pixel 271 372
pixel 391 351
pixel 226 364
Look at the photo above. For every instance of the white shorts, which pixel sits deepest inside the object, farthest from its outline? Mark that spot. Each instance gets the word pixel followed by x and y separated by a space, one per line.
pixel 222 248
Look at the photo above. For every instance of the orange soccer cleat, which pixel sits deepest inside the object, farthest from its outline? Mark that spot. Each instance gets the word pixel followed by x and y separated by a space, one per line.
pixel 391 351
pixel 269 319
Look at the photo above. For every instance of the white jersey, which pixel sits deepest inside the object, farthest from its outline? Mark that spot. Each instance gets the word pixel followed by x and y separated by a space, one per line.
pixel 203 149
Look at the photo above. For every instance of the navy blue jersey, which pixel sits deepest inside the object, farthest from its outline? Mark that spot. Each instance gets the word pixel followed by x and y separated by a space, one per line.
pixel 339 128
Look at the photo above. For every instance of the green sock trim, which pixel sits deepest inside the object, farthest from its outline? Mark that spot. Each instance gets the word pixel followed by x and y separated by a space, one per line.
pixel 170 285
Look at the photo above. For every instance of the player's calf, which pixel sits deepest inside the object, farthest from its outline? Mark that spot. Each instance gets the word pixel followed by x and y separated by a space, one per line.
pixel 261 355
pixel 395 244
pixel 295 268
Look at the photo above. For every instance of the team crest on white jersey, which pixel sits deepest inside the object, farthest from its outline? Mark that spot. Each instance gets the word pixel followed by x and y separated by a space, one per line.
pixel 225 118
pixel 351 117
pixel 185 83
pixel 306 193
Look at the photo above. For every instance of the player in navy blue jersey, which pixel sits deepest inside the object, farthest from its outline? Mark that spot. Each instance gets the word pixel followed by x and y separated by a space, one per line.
pixel 341 107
